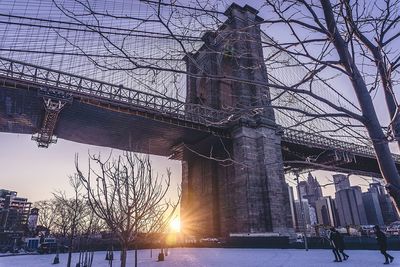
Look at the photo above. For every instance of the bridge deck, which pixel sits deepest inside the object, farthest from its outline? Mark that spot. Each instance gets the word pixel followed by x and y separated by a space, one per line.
pixel 118 117
pixel 21 111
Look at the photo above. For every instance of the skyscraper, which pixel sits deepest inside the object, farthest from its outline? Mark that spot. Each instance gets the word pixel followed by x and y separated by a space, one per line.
pixel 377 187
pixel 306 208
pixel 341 181
pixel 372 208
pixel 325 209
pixel 303 189
pixel 292 207
pixel 310 190
pixel 350 206
pixel 389 212
pixel 314 190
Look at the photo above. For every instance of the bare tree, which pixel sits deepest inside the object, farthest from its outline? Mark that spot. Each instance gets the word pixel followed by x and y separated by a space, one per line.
pixel 373 28
pixel 90 224
pixel 68 217
pixel 327 39
pixel 47 213
pixel 337 38
pixel 71 212
pixel 127 194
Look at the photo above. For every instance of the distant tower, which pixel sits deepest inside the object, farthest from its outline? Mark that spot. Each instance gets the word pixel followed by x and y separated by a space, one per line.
pixel 314 185
pixel 372 208
pixel 341 181
pixel 303 190
pixel 315 191
pixel 388 210
pixel 325 209
pixel 292 206
pixel 307 214
pixel 377 187
pixel 310 190
pixel 350 206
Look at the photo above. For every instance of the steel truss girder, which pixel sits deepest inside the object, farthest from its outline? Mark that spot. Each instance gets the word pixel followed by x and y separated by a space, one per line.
pixel 54 101
pixel 14 72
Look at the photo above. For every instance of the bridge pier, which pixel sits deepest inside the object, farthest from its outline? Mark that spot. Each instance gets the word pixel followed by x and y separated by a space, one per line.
pixel 261 194
pixel 246 195
pixel 200 203
pixel 249 195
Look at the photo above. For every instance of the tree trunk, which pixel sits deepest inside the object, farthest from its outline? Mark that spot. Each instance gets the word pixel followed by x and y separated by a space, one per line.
pixel 386 165
pixel 136 255
pixel 70 251
pixel 389 97
pixel 390 100
pixel 384 157
pixel 124 249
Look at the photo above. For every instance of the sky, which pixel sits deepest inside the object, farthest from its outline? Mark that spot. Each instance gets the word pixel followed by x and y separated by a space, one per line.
pixel 36 172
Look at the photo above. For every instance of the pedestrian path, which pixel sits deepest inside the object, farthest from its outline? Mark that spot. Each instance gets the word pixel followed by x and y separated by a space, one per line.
pixel 219 257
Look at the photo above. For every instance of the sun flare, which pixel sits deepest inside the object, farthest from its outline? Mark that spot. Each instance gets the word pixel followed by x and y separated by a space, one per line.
pixel 175 225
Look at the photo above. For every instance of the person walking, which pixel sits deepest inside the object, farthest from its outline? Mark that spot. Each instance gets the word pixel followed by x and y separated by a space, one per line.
pixel 334 238
pixel 382 243
pixel 340 245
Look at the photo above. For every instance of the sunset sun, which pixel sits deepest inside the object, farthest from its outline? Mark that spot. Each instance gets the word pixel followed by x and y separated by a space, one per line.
pixel 175 225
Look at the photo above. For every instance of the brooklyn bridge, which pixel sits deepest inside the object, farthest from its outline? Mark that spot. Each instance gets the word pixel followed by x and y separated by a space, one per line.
pixel 211 99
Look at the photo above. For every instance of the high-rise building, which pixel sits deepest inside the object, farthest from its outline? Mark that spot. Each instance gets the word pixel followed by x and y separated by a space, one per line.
pixel 292 207
pixel 389 211
pixel 302 189
pixel 377 187
pixel 14 211
pixel 310 190
pixel 306 209
pixel 341 181
pixel 350 206
pixel 325 210
pixel 314 190
pixel 372 208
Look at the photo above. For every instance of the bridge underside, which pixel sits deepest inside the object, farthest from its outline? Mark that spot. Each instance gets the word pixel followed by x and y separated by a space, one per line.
pixel 303 157
pixel 22 111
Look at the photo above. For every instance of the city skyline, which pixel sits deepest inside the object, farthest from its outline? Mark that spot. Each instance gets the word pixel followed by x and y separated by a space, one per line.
pixel 348 207
pixel 52 166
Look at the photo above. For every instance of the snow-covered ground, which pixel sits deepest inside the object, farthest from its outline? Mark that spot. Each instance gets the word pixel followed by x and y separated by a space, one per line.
pixel 218 257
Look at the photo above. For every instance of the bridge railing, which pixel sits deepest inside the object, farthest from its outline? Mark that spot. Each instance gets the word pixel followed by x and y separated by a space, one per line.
pixel 82 86
pixel 314 140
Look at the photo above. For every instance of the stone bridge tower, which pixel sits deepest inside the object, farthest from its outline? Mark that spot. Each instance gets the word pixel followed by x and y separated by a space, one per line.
pixel 242 189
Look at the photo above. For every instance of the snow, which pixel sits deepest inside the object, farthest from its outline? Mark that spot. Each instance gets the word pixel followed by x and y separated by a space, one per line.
pixel 218 257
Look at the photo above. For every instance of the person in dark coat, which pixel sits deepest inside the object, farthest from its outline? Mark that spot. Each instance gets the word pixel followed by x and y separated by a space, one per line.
pixel 381 238
pixel 334 237
pixel 340 245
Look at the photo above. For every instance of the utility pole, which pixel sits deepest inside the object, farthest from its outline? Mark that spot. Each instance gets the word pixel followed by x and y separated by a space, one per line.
pixel 302 212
